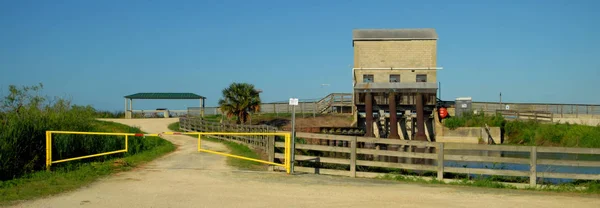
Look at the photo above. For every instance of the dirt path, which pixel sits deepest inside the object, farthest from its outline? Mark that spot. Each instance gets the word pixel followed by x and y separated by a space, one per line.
pixel 187 178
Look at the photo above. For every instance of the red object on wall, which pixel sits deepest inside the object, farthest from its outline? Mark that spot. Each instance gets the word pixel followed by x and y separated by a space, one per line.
pixel 443 113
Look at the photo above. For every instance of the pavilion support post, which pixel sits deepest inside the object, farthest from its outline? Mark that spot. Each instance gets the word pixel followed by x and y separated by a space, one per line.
pixel 128 108
pixel 202 107
pixel 131 107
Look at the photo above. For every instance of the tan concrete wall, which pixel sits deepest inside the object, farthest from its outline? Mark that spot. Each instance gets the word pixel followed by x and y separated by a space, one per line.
pixel 406 76
pixel 470 134
pixel 413 53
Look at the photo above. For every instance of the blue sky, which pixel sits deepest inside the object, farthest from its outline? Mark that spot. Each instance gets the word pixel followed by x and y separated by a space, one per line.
pixel 95 52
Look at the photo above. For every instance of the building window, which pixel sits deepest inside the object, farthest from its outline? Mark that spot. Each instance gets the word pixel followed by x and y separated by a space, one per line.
pixel 421 77
pixel 394 78
pixel 368 78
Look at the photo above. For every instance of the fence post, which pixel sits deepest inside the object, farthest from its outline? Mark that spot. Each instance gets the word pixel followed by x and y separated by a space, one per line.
pixel 440 161
pixel 353 157
pixel 561 110
pixel 532 169
pixel 271 150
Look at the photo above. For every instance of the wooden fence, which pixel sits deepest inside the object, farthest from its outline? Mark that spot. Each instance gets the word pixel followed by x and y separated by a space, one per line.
pixel 354 156
pixel 199 125
pixel 527 115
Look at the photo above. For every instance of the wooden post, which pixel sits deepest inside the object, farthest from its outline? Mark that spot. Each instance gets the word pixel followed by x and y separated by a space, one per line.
pixel 440 161
pixel 561 110
pixel 532 169
pixel 271 150
pixel 275 108
pixel 577 112
pixel 353 157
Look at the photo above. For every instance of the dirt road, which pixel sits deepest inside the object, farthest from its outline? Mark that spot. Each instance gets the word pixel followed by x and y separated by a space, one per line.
pixel 187 178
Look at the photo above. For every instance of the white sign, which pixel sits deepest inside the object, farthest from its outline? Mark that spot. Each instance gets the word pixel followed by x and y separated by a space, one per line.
pixel 507 107
pixel 464 105
pixel 293 101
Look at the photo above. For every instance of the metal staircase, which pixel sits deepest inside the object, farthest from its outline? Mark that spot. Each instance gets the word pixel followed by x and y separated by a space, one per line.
pixel 333 100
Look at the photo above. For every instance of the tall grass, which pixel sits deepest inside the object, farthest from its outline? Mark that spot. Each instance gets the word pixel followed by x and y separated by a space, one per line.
pixel 25 116
pixel 475 120
pixel 542 134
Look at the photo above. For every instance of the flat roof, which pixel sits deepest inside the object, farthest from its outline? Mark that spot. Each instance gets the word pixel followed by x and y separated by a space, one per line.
pixel 165 96
pixel 394 34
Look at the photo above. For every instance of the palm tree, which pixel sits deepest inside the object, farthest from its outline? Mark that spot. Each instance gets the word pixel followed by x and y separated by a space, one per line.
pixel 238 100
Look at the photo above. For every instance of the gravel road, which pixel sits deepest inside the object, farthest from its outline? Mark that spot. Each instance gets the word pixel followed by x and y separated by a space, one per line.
pixel 186 178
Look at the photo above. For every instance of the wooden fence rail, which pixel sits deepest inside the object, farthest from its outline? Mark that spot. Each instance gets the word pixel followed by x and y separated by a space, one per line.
pixel 353 156
pixel 199 125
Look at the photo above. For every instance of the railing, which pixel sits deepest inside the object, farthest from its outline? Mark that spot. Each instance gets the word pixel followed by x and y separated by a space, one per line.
pixel 527 115
pixel 49 142
pixel 348 151
pixel 199 125
pixel 326 104
pixel 310 106
pixel 558 110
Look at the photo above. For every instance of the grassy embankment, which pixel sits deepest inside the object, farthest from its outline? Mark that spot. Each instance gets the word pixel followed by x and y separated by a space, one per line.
pixel 533 133
pixel 235 149
pixel 24 119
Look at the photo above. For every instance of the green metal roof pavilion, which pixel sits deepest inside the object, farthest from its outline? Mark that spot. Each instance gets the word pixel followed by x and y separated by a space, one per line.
pixel 160 96
pixel 165 96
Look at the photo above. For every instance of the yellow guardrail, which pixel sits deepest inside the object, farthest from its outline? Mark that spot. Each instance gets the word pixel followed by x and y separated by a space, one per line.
pixel 49 161
pixel 287 152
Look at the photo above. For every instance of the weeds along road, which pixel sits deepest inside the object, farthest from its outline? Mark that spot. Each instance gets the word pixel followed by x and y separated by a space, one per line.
pixel 186 178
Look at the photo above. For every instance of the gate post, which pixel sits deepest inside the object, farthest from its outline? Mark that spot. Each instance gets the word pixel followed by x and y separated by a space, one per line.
pixel 271 150
pixel 533 168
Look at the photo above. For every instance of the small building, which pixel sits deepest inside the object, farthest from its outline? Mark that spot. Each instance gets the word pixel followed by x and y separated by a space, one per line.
pixel 394 70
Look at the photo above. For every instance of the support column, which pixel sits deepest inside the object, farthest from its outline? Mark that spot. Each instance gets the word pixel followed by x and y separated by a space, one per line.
pixel 369 118
pixel 369 114
pixel 130 111
pixel 393 124
pixel 420 119
pixel 202 107
pixel 420 136
pixel 127 115
pixel 393 116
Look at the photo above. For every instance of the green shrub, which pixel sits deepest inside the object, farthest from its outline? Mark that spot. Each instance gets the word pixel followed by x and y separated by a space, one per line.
pixel 25 117
pixel 475 120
